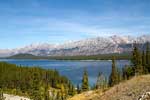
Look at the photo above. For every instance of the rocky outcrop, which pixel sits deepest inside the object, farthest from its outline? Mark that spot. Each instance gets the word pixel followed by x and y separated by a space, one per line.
pixel 145 96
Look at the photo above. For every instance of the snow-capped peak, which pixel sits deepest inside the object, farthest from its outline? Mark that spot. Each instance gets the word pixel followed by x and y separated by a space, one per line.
pixel 90 46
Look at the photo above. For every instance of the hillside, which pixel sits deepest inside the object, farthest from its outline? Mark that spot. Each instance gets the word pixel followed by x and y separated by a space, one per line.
pixel 33 82
pixel 127 90
pixel 22 56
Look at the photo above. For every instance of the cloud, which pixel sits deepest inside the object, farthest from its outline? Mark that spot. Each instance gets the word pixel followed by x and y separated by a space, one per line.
pixel 53 21
pixel 94 26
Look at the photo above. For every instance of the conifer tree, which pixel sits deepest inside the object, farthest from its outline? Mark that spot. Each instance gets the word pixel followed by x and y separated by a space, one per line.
pixel 124 73
pixel 35 89
pixel 147 53
pixel 145 70
pixel 85 82
pixel 78 88
pixel 1 95
pixel 113 76
pixel 143 58
pixel 148 56
pixel 137 60
pixel 119 76
pixel 100 83
pixel 71 90
pixel 58 96
pixel 46 94
pixel 63 94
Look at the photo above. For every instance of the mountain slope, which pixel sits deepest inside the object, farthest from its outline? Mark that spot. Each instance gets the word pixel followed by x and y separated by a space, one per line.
pixel 127 90
pixel 91 46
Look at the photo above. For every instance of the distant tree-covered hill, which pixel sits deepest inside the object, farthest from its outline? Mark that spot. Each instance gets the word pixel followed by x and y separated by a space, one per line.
pixel 123 56
pixel 20 56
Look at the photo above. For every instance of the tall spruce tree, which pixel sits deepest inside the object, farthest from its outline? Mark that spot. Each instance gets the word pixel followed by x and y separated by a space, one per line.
pixel 46 94
pixel 58 96
pixel 113 78
pixel 63 93
pixel 71 90
pixel 147 53
pixel 100 83
pixel 78 88
pixel 145 70
pixel 35 89
pixel 148 56
pixel 1 95
pixel 119 76
pixel 137 60
pixel 85 82
pixel 143 58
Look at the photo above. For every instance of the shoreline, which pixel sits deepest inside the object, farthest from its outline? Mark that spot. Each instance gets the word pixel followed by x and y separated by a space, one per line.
pixel 88 60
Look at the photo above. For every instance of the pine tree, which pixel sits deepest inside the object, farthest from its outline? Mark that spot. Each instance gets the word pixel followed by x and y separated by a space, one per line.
pixel 1 95
pixel 35 89
pixel 145 70
pixel 71 90
pixel 78 88
pixel 63 94
pixel 148 56
pixel 46 94
pixel 100 83
pixel 124 73
pixel 113 76
pixel 143 58
pixel 58 96
pixel 147 53
pixel 119 76
pixel 137 60
pixel 85 82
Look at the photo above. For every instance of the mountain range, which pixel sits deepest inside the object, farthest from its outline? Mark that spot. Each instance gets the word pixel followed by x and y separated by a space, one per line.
pixel 90 46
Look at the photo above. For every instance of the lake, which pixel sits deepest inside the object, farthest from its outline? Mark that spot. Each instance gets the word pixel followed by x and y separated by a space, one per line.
pixel 73 69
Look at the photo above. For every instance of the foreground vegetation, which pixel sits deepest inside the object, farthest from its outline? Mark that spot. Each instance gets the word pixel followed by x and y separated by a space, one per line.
pixel 140 65
pixel 131 89
pixel 34 82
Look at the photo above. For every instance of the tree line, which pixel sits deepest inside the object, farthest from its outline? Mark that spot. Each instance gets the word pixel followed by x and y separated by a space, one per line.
pixel 34 82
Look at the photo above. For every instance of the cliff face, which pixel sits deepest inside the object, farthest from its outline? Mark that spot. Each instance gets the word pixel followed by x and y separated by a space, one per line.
pixel 133 89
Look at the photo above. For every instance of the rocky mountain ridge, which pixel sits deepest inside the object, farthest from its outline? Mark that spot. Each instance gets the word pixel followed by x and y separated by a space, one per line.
pixel 90 46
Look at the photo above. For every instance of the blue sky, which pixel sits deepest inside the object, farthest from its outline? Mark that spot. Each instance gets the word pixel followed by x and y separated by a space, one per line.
pixel 23 22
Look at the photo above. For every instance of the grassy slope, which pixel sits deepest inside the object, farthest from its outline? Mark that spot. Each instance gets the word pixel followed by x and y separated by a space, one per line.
pixel 127 90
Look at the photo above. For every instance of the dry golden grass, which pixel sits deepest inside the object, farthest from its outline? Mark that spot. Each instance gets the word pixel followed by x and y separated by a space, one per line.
pixel 127 90
pixel 86 95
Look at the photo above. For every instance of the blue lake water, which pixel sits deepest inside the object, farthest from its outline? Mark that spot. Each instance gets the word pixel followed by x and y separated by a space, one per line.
pixel 73 69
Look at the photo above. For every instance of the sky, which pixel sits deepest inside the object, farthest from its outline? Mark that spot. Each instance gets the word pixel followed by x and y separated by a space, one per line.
pixel 23 22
